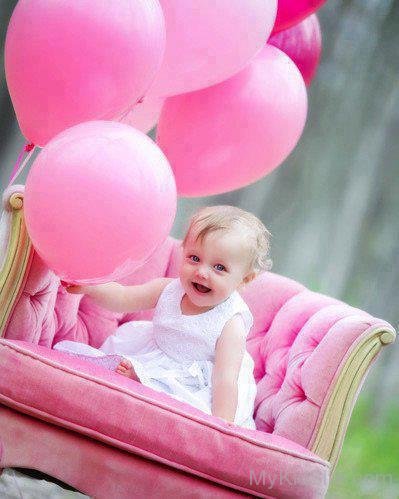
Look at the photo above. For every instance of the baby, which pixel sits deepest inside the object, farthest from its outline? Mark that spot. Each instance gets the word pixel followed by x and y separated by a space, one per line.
pixel 195 347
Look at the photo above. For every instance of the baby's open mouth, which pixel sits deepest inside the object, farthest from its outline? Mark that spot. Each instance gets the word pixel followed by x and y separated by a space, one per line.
pixel 200 287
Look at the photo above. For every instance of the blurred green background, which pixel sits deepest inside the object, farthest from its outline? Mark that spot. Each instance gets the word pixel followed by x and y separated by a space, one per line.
pixel 332 208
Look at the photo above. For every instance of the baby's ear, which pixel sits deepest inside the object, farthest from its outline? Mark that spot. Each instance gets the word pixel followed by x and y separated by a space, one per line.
pixel 249 277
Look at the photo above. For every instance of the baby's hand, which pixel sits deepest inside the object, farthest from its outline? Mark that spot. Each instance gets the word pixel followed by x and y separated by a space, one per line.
pixel 73 289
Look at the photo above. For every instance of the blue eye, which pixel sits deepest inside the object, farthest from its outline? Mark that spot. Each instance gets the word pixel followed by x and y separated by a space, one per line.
pixel 220 267
pixel 194 258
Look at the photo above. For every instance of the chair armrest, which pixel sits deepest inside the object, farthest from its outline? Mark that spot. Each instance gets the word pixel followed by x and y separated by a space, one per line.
pixel 348 378
pixel 313 361
pixel 16 253
pixel 33 305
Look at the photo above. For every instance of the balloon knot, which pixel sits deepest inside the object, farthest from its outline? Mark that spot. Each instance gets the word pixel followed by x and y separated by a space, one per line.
pixel 29 147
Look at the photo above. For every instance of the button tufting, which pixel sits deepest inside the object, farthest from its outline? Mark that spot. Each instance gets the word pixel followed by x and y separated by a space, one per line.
pixel 301 394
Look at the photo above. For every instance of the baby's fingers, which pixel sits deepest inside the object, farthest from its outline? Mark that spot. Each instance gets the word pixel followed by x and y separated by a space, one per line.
pixel 73 289
pixel 125 363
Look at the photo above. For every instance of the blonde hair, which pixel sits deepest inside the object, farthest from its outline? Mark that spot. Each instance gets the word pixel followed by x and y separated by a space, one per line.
pixel 228 218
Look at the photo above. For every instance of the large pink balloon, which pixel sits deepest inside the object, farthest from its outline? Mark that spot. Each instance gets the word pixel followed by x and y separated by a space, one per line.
pixel 99 199
pixel 208 41
pixel 144 115
pixel 291 12
pixel 73 61
pixel 302 43
pixel 229 135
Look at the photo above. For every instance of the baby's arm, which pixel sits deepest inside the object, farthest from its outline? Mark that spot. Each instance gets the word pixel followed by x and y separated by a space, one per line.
pixel 229 353
pixel 118 298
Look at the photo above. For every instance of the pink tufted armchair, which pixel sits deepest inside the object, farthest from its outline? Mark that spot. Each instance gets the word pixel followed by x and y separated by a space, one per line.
pixel 109 436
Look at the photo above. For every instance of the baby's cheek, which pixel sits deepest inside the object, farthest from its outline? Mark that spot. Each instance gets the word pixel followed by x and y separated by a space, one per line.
pixel 184 270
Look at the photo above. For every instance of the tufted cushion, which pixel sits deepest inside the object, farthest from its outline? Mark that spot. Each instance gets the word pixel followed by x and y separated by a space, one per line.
pixel 137 419
pixel 299 342
pixel 46 313
pixel 299 355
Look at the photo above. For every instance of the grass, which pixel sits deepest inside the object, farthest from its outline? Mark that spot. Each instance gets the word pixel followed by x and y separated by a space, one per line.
pixel 369 463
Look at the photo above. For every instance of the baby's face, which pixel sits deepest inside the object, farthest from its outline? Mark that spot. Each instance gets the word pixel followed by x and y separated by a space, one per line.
pixel 213 268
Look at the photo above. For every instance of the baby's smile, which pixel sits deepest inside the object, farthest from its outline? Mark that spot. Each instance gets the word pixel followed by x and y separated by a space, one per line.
pixel 200 288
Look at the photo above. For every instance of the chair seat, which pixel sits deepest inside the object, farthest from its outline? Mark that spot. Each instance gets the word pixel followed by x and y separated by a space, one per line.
pixel 123 413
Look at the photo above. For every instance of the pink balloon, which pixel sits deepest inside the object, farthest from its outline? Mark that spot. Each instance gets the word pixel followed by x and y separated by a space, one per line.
pixel 302 43
pixel 99 199
pixel 227 136
pixel 144 115
pixel 73 61
pixel 291 12
pixel 209 41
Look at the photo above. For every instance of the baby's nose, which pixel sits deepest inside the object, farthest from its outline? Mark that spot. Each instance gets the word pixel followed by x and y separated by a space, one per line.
pixel 202 271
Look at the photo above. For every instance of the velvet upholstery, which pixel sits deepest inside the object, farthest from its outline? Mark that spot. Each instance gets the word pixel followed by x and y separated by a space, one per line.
pixel 301 342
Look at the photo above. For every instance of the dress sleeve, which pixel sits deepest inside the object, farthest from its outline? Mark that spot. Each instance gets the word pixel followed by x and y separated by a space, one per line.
pixel 247 317
pixel 242 309
pixel 165 298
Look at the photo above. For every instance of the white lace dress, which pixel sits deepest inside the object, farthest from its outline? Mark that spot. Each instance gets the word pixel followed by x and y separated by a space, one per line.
pixel 174 353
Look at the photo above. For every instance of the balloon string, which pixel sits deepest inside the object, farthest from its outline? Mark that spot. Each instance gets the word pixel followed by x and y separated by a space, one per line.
pixel 21 154
pixel 123 115
pixel 127 111
pixel 18 167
